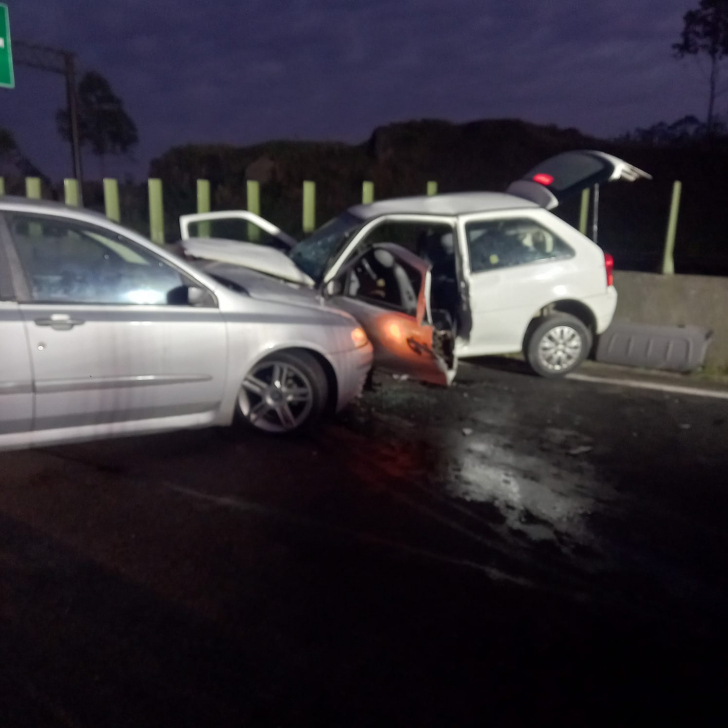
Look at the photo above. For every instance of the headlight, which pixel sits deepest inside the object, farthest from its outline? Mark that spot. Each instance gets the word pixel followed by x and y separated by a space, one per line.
pixel 359 337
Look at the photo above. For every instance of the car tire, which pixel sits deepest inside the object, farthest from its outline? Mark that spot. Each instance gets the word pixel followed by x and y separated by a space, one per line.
pixel 557 345
pixel 284 393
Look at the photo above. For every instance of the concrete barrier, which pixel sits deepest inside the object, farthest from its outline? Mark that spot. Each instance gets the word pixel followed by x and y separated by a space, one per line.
pixel 679 300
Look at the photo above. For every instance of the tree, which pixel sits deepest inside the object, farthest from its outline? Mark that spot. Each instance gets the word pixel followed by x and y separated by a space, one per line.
pixel 706 33
pixel 688 131
pixel 103 124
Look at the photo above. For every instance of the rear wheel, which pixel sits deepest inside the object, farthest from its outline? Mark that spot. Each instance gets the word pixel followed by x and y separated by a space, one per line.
pixel 285 392
pixel 558 345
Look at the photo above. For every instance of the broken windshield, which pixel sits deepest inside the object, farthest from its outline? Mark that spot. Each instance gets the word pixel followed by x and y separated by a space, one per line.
pixel 314 254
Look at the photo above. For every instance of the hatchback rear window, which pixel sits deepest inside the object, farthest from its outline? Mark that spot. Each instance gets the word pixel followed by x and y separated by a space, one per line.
pixel 494 244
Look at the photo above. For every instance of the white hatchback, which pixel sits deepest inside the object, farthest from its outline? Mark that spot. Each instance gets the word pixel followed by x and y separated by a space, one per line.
pixel 434 279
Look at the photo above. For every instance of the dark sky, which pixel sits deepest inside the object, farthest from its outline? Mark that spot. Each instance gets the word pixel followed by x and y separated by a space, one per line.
pixel 244 71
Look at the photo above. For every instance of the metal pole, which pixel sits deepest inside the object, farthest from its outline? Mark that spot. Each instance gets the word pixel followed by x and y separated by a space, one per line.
pixel 584 212
pixel 70 65
pixel 595 214
pixel 668 258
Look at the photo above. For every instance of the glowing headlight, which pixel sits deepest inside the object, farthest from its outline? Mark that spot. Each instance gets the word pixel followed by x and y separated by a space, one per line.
pixel 359 337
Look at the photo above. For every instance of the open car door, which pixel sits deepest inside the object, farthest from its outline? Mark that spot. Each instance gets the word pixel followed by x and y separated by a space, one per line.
pixel 387 289
pixel 240 225
pixel 567 174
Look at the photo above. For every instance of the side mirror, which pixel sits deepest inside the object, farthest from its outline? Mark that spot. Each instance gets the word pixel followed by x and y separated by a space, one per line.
pixel 196 296
pixel 334 288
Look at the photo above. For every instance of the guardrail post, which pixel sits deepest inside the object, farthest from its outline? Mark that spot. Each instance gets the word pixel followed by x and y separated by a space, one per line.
pixel 309 206
pixel 584 212
pixel 70 192
pixel 111 199
pixel 431 188
pixel 668 259
pixel 367 193
pixel 203 205
pixel 254 207
pixel 32 188
pixel 2 186
pixel 156 212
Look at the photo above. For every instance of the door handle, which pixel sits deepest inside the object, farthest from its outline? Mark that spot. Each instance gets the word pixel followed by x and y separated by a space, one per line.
pixel 59 322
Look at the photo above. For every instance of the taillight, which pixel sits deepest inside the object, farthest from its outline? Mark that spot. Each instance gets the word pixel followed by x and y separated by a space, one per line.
pixel 609 265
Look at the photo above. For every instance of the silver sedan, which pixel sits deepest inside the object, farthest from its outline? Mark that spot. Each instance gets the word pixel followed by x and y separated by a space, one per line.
pixel 105 334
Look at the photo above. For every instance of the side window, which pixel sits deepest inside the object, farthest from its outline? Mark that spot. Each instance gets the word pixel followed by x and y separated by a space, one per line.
pixel 494 244
pixel 380 278
pixel 69 262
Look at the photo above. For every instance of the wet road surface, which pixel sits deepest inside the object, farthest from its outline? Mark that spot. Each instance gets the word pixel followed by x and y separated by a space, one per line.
pixel 508 552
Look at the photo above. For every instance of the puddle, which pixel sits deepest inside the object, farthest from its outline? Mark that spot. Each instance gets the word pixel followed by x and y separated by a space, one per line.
pixel 534 495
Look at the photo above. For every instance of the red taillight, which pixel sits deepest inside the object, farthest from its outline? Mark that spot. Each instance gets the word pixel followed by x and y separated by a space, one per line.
pixel 543 179
pixel 609 265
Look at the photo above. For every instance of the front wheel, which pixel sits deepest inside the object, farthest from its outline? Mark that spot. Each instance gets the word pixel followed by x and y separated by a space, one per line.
pixel 283 393
pixel 558 345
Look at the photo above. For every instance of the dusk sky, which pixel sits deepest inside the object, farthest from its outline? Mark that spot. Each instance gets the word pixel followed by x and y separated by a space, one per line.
pixel 245 71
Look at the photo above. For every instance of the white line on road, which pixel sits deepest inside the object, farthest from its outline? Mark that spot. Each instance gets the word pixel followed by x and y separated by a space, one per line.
pixel 654 386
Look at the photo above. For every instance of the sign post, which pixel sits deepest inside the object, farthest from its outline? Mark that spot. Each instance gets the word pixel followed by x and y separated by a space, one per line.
pixel 7 77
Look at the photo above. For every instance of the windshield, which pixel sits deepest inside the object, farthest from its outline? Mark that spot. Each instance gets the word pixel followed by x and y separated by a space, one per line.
pixel 313 254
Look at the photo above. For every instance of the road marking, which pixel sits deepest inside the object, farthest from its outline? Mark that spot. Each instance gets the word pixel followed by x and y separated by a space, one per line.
pixel 654 386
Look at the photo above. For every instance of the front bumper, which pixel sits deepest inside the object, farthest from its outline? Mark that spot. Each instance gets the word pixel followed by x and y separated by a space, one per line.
pixel 352 368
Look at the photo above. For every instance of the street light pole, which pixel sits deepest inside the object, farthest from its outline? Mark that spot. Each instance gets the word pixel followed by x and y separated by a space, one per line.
pixel 70 68
pixel 56 60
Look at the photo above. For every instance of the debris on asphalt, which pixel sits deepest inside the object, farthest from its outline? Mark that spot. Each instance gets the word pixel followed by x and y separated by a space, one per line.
pixel 685 426
pixel 580 450
pixel 467 431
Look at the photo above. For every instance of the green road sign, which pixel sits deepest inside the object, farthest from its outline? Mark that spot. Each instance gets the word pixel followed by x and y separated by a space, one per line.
pixel 7 79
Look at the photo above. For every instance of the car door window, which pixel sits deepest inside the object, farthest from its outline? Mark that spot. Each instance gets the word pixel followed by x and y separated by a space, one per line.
pixel 69 262
pixel 495 244
pixel 379 277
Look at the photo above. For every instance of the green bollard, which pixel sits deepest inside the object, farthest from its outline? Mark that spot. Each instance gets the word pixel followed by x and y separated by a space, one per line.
pixel 70 192
pixel 111 199
pixel 309 206
pixel 203 205
pixel 156 212
pixel 668 260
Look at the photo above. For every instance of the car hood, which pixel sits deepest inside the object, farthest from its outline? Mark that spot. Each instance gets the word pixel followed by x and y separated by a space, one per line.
pixel 264 287
pixel 248 255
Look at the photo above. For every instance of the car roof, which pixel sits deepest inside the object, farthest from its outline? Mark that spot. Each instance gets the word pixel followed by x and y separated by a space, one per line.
pixel 460 203
pixel 47 207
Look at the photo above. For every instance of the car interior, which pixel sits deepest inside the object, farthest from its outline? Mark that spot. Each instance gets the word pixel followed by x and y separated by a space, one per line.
pixel 386 281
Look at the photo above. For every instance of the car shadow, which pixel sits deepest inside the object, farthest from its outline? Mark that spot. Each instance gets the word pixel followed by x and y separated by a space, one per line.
pixel 503 364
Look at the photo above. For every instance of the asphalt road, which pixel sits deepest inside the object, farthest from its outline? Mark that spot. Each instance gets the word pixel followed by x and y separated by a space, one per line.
pixel 508 552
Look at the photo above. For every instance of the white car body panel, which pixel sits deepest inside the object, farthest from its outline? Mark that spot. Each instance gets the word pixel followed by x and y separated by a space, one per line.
pixel 186 220
pixel 503 302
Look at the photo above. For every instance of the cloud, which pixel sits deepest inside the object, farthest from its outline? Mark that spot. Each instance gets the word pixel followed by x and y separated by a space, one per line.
pixel 230 71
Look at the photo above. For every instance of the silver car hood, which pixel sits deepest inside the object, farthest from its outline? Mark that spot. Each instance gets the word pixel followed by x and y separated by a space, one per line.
pixel 264 287
pixel 249 255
